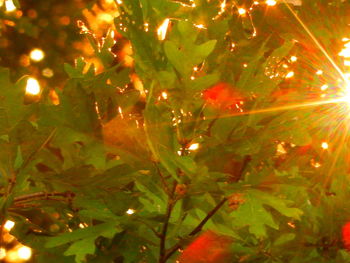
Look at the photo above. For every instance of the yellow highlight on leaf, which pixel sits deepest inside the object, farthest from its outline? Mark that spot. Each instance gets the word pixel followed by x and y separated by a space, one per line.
pixel 33 86
pixel 162 29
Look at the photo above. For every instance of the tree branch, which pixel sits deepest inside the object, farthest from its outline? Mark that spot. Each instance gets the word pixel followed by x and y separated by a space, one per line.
pixel 162 179
pixel 42 196
pixel 196 230
pixel 170 206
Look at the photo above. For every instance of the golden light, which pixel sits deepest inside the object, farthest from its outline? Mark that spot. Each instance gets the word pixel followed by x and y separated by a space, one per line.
pixel 242 11
pixel 33 86
pixel 324 87
pixel 319 72
pixel 293 58
pixel 162 29
pixel 24 253
pixel 105 17
pixel 164 95
pixel 200 26
pixel 47 72
pixel 193 147
pixel 2 253
pixel 346 51
pixel 36 54
pixel 9 225
pixel 271 2
pixel 324 145
pixel 290 75
pixel 130 211
pixel 10 6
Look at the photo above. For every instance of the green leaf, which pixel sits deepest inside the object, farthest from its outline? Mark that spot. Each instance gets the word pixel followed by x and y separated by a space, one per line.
pixel 254 214
pixel 284 238
pixel 176 57
pixel 19 159
pixel 203 50
pixel 81 248
pixel 106 229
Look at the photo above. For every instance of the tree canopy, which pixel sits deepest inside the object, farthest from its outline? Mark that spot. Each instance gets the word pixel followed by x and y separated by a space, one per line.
pixel 184 131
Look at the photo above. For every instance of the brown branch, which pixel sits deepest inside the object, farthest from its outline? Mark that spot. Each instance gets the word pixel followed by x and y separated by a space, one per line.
pixel 170 206
pixel 162 179
pixel 42 196
pixel 195 231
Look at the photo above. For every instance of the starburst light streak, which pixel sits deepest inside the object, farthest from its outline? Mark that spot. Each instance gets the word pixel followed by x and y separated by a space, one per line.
pixel 311 35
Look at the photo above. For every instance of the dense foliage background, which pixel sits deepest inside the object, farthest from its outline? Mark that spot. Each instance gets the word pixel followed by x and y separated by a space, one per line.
pixel 186 131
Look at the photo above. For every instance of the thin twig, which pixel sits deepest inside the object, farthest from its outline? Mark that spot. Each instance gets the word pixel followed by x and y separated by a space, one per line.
pixel 41 196
pixel 170 206
pixel 197 229
pixel 162 179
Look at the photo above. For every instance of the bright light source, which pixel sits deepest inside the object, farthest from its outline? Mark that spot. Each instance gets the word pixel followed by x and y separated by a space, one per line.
pixel 319 72
pixel 24 253
pixel 270 2
pixel 36 54
pixel 33 86
pixel 193 147
pixel 290 75
pixel 130 211
pixel 162 29
pixel 345 52
pixel 324 87
pixel 293 58
pixel 2 253
pixel 164 95
pixel 324 145
pixel 9 225
pixel 242 11
pixel 10 6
